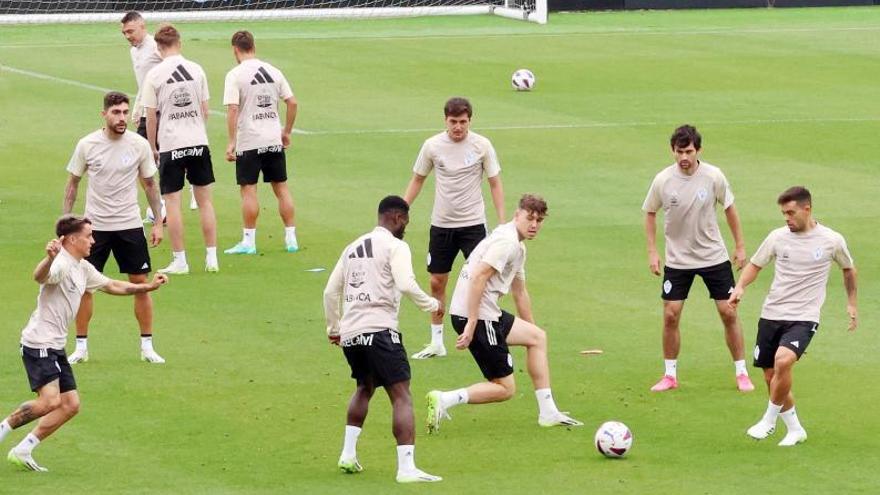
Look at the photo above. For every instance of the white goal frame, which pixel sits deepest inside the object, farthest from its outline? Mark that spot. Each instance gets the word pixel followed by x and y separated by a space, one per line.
pixel 508 10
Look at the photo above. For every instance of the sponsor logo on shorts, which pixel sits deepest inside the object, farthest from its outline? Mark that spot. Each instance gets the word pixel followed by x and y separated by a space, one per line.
pixel 146 266
pixel 197 151
pixel 796 344
pixel 509 360
pixel 362 340
pixel 395 337
pixel 757 352
pixel 428 260
pixel 667 287
pixel 270 149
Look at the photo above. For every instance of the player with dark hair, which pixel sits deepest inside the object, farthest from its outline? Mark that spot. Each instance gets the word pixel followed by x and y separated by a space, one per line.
pixel 495 267
pixel 802 252
pixel 175 95
pixel 64 276
pixel 115 161
pixel 257 141
pixel 367 283
pixel 687 192
pixel 459 158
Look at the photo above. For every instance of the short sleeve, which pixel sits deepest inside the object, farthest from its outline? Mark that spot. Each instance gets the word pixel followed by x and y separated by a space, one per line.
pixel 841 254
pixel 206 95
pixel 521 273
pixel 723 192
pixel 77 165
pixel 148 92
pixel 95 280
pixel 766 251
pixel 490 162
pixel 147 166
pixel 57 271
pixel 231 94
pixel 424 162
pixel 284 90
pixel 499 253
pixel 654 201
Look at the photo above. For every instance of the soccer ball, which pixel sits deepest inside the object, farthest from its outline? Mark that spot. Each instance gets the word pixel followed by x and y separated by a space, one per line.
pixel 613 439
pixel 148 213
pixel 523 80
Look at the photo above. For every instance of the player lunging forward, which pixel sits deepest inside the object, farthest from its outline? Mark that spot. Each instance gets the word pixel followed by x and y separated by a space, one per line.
pixel 494 268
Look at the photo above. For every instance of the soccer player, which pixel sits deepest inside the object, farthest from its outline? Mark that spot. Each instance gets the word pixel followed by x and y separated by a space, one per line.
pixel 494 268
pixel 64 276
pixel 115 160
pixel 144 56
pixel 256 139
pixel 175 95
pixel 687 192
pixel 367 281
pixel 803 251
pixel 460 159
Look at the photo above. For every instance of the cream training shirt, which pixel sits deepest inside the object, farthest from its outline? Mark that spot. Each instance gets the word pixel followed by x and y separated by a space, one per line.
pixel 504 252
pixel 143 58
pixel 113 167
pixel 803 261
pixel 458 168
pixel 369 278
pixel 58 301
pixel 690 223
pixel 257 88
pixel 177 87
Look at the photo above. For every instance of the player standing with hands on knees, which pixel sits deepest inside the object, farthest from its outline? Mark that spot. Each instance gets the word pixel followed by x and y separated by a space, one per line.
pixel 688 191
pixel 367 282
pixel 802 252
pixel 64 276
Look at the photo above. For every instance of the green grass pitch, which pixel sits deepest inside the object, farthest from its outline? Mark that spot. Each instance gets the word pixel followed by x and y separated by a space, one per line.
pixel 252 399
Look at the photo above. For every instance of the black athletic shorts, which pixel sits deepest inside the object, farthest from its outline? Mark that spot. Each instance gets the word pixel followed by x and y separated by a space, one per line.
pixel 444 245
pixel 489 345
pixel 193 162
pixel 129 247
pixel 718 279
pixel 773 334
pixel 142 128
pixel 46 365
pixel 378 358
pixel 269 160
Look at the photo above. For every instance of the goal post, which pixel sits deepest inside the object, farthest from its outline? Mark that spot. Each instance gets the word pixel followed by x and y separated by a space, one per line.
pixel 73 11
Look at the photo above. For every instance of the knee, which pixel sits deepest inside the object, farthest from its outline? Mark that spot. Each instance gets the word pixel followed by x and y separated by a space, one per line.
pixel 728 315
pixel 540 339
pixel 670 318
pixel 47 404
pixel 71 407
pixel 438 284
pixel 784 361
pixel 509 390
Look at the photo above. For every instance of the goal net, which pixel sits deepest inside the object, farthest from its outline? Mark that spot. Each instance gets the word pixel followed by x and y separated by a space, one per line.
pixel 73 11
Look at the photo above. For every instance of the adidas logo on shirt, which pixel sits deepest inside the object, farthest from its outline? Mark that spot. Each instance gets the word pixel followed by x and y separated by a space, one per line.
pixel 365 250
pixel 179 75
pixel 262 77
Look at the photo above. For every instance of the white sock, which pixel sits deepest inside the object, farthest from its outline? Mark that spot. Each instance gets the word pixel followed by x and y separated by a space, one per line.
pixel 406 461
pixel 671 367
pixel 211 252
pixel 437 334
pixel 772 413
pixel 289 234
pixel 4 429
pixel 454 398
pixel 546 405
pixel 26 446
pixel 82 343
pixel 179 257
pixel 791 420
pixel 146 342
pixel 741 367
pixel 249 237
pixel 349 446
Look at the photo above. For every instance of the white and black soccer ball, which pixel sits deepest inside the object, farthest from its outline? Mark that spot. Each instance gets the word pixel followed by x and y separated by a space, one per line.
pixel 523 80
pixel 148 214
pixel 613 439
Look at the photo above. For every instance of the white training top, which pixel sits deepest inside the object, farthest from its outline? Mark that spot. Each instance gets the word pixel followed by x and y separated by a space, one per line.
pixel 257 88
pixel 177 87
pixel 503 251
pixel 368 278
pixel 690 223
pixel 113 167
pixel 803 260
pixel 58 301
pixel 459 168
pixel 143 58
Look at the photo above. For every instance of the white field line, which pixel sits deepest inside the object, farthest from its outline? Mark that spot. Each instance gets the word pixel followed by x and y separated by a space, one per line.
pixel 91 87
pixel 609 32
